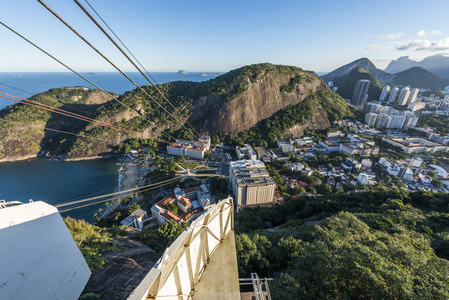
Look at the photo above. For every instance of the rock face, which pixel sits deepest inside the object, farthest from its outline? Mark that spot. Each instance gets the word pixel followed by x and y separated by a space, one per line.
pixel 183 72
pixel 260 100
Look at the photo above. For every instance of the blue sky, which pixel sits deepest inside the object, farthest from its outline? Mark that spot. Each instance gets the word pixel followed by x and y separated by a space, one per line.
pixel 223 35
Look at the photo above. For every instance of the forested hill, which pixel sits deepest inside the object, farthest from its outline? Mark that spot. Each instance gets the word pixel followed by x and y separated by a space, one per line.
pixel 284 99
pixel 367 245
pixel 346 83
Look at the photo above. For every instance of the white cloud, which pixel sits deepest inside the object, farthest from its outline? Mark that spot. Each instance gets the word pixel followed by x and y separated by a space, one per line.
pixel 417 45
pixel 424 33
pixel 372 46
pixel 390 36
pixel 421 33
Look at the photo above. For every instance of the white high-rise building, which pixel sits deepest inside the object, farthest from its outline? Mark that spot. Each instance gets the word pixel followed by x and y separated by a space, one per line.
pixel 383 120
pixel 393 94
pixel 396 122
pixel 370 119
pixel 384 94
pixel 360 92
pixel 413 96
pixel 403 96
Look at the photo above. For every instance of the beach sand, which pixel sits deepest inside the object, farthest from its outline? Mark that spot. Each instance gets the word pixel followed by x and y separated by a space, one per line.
pixel 130 173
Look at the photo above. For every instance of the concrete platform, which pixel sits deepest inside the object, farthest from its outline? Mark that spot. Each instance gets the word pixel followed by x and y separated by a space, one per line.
pixel 220 280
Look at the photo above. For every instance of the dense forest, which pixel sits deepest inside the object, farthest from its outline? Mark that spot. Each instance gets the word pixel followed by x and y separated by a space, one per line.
pixel 370 245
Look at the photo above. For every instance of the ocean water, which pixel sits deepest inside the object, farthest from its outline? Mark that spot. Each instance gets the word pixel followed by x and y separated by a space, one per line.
pixel 56 181
pixel 37 82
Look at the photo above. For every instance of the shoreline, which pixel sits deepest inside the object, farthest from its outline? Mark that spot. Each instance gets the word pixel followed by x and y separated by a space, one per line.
pixel 68 159
pixel 128 178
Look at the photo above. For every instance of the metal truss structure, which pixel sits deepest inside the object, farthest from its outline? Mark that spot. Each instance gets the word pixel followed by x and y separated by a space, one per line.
pixel 177 273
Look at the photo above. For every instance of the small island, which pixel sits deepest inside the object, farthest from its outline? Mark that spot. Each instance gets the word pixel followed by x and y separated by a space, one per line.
pixel 183 72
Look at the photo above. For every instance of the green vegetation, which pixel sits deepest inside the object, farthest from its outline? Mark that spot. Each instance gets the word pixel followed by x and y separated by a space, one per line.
pixel 172 207
pixel 420 77
pixel 346 84
pixel 290 87
pixel 159 238
pixel 92 241
pixel 371 245
pixel 435 92
pixel 440 123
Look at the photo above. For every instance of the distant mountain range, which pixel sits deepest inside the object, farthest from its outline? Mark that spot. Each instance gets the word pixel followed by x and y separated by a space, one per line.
pixel 436 64
pixel 346 76
pixel 420 78
pixel 365 63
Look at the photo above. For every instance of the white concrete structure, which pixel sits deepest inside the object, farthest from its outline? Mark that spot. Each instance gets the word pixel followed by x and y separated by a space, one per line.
pixel 370 119
pixel 415 162
pixel 193 149
pixel 136 219
pixel 393 94
pixel 383 120
pixel 366 162
pixel 285 145
pixel 251 183
pixel 416 106
pixel 246 151
pixel 384 94
pixel 415 144
pixel 384 162
pixel 360 92
pixel 403 96
pixel 178 272
pixel 365 178
pixel 39 258
pixel 413 96
pixel 396 122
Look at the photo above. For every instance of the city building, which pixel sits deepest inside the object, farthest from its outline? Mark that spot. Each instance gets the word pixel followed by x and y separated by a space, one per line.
pixel 360 92
pixel 416 106
pixel 415 144
pixel 334 134
pixel 370 119
pixel 329 146
pixel 415 162
pixel 251 183
pixel 305 140
pixel 285 145
pixel 384 94
pixel 438 138
pixel 363 149
pixel 194 149
pixel 136 219
pixel 413 96
pixel 403 96
pixel 263 154
pixel 382 120
pixel 365 178
pixel 246 151
pixel 396 122
pixel 393 94
pixel 278 154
